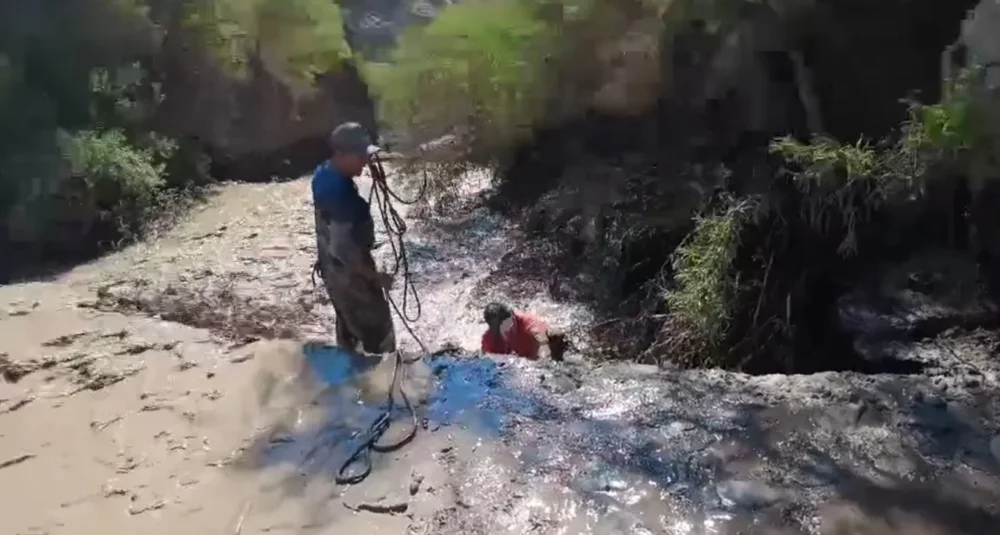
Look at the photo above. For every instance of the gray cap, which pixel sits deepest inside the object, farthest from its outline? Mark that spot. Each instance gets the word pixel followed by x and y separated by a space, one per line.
pixel 352 138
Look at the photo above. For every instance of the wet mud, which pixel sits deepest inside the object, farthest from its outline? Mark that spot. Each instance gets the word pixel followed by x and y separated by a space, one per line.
pixel 521 447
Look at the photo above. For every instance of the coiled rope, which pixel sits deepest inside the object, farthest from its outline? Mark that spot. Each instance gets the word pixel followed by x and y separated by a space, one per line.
pixel 395 228
pixel 362 453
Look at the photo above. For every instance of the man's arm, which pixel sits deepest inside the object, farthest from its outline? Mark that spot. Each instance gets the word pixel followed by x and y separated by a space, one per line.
pixel 355 234
pixel 541 336
pixel 540 332
pixel 544 351
pixel 487 345
pixel 364 266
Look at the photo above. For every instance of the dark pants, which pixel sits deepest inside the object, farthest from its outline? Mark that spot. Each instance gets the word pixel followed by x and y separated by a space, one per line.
pixel 363 315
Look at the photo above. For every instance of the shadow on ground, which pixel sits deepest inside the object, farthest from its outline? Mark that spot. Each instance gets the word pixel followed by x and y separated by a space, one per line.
pixel 629 449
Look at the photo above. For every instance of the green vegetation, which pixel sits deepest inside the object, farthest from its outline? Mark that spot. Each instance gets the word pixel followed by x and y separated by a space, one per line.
pixel 120 181
pixel 706 283
pixel 747 280
pixel 479 66
pixel 961 134
pixel 304 37
pixel 81 83
pixel 844 183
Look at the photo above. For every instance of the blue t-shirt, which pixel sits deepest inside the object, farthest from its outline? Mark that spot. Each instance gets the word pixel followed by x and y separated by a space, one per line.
pixel 337 199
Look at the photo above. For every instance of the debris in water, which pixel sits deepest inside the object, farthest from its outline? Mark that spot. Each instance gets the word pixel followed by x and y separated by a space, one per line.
pixel 116 334
pixel 243 517
pixel 14 371
pixel 16 460
pixel 748 494
pixel 415 480
pixel 131 463
pixel 244 341
pixel 19 404
pixel 383 506
pixel 241 358
pixel 110 490
pixel 65 340
pixel 101 426
pixel 132 510
pixel 614 485
pixel 137 349
pixel 89 380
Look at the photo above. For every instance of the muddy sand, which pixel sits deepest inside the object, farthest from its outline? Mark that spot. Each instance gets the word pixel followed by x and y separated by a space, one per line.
pixel 158 390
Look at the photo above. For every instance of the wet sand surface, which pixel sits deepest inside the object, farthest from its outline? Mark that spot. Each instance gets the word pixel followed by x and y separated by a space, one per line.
pixel 129 409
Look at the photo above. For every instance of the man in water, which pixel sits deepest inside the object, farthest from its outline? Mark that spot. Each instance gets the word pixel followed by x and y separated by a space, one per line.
pixel 511 331
pixel 345 236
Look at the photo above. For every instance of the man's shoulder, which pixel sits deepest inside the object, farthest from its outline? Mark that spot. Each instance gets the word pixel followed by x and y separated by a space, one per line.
pixel 324 176
pixel 530 321
pixel 331 187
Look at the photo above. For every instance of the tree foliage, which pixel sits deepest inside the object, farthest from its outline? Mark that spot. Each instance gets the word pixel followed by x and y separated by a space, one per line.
pixel 960 133
pixel 493 71
pixel 304 38
pixel 478 66
pixel 81 80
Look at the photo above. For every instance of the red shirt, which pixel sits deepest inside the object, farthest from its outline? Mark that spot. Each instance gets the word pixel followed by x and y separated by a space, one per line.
pixel 522 339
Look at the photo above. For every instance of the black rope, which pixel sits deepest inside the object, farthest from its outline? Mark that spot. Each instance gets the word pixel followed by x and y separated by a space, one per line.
pixel 395 228
pixel 362 454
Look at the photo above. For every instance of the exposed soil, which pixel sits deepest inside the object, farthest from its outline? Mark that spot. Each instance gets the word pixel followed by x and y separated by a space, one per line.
pixel 138 400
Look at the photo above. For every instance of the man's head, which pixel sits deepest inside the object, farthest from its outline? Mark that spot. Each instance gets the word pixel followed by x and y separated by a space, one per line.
pixel 352 147
pixel 499 317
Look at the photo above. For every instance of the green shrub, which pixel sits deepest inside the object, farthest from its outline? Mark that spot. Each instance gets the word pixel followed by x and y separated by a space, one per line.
pixel 742 278
pixel 960 134
pixel 303 38
pixel 478 66
pixel 122 183
pixel 844 184
pixel 706 285
pixel 493 69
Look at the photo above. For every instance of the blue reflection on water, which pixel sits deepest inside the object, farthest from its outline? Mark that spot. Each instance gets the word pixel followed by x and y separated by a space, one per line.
pixel 468 391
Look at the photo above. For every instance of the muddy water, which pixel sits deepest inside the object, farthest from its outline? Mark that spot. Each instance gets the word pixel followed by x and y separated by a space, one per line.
pixel 133 423
pixel 509 446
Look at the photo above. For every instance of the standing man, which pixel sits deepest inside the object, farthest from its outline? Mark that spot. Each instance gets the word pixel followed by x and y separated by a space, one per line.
pixel 345 235
pixel 514 332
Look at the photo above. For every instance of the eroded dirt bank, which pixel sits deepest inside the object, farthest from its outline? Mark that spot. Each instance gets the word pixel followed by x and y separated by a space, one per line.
pixel 138 381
